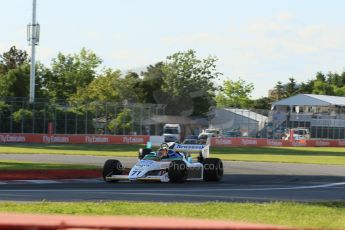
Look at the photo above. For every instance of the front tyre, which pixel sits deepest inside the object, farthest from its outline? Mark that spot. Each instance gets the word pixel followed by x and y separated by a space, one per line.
pixel 177 171
pixel 111 167
pixel 213 169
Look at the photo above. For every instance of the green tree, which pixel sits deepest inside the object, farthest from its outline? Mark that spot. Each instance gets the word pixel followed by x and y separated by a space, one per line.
pixel 111 86
pixel 15 83
pixel 22 114
pixel 320 77
pixel 153 79
pixel 291 87
pixel 131 88
pixel 306 87
pixel 103 88
pixel 235 94
pixel 339 91
pixel 322 87
pixel 262 103
pixel 279 91
pixel 14 73
pixel 188 87
pixel 123 123
pixel 70 73
pixel 12 59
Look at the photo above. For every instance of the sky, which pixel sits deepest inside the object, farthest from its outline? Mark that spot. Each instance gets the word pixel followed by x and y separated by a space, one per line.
pixel 260 41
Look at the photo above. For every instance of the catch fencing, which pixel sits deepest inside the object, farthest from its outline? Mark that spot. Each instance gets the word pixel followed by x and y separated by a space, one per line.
pixel 17 115
pixel 323 123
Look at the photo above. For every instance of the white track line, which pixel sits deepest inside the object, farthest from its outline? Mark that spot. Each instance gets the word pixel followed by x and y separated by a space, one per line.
pixel 119 190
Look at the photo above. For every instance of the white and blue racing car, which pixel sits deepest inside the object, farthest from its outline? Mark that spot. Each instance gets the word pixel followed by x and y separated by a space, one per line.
pixel 175 165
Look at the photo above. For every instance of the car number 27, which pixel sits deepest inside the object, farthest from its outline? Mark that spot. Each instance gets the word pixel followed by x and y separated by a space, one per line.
pixel 136 173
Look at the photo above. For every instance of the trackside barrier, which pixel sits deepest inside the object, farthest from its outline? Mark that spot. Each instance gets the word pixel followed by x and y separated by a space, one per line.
pixel 253 142
pixel 73 139
pixel 50 222
pixel 143 139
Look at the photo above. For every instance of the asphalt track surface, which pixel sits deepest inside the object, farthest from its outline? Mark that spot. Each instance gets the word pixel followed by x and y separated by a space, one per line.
pixel 243 181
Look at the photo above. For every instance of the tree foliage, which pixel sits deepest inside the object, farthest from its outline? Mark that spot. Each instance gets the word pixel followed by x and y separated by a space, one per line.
pixel 70 73
pixel 152 82
pixel 235 94
pixel 279 89
pixel 12 59
pixel 291 88
pixel 325 84
pixel 262 103
pixel 22 114
pixel 122 123
pixel 188 84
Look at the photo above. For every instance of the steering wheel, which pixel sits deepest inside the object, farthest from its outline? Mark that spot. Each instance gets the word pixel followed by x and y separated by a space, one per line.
pixel 164 145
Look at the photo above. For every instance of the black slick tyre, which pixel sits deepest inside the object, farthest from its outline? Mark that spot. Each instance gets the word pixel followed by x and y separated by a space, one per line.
pixel 111 167
pixel 177 171
pixel 213 169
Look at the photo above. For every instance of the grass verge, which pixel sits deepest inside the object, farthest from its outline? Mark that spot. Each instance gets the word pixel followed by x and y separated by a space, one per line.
pixel 310 155
pixel 70 149
pixel 316 215
pixel 23 165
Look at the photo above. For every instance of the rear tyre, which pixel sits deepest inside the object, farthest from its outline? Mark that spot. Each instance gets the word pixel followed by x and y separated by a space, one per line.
pixel 111 167
pixel 213 169
pixel 177 171
pixel 143 152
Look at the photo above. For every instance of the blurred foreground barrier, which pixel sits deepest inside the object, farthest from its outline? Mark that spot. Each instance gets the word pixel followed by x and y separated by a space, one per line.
pixel 254 142
pixel 47 222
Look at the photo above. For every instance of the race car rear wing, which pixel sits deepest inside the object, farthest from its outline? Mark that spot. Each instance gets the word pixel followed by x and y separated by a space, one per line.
pixel 204 149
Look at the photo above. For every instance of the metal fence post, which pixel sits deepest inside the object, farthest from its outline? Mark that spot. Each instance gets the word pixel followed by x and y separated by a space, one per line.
pixel 65 111
pixel 44 118
pixel 22 120
pixel 33 117
pixel 55 120
pixel 156 125
pixel 141 119
pixel 115 116
pixel 75 123
pixel 95 118
pixel 106 118
pixel 132 117
pixel 86 119
pixel 123 122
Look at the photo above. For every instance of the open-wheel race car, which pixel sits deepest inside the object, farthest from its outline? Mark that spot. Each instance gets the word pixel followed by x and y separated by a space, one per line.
pixel 173 162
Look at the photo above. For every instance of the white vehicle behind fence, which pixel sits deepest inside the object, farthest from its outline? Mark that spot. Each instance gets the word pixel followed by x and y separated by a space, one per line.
pixel 172 133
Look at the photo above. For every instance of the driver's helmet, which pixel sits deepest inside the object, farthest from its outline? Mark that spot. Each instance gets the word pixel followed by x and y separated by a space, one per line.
pixel 162 152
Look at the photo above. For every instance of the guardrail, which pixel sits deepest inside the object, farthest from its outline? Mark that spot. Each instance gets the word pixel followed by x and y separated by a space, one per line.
pixel 52 222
